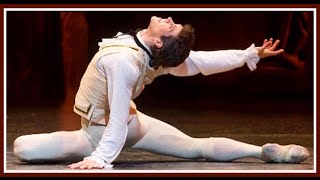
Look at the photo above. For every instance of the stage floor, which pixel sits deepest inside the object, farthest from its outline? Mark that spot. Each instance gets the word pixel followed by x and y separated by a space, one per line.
pixel 266 123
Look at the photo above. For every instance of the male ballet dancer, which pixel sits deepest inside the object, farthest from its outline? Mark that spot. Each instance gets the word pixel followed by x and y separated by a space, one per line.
pixel 110 120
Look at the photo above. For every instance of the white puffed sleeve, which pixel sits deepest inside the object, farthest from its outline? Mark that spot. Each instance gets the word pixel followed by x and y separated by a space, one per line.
pixel 212 62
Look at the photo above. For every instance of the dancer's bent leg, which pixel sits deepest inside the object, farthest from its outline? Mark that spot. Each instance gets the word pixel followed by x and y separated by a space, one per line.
pixel 53 147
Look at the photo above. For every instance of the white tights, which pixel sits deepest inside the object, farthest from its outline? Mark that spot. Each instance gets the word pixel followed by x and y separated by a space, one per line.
pixel 145 133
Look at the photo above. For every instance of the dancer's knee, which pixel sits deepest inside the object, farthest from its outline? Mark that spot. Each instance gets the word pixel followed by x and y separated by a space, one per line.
pixel 22 149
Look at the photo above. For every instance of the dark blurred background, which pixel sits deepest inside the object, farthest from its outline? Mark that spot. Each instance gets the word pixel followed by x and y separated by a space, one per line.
pixel 47 54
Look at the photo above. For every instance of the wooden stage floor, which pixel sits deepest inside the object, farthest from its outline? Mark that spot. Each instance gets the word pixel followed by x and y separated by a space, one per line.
pixel 266 123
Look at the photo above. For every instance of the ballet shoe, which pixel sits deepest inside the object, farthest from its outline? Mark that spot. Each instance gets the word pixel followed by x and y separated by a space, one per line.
pixel 275 153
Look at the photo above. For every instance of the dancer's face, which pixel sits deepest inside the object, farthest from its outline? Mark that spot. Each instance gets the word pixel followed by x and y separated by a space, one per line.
pixel 164 27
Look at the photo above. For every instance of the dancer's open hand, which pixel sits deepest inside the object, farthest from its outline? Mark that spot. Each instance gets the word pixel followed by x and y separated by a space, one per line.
pixel 87 163
pixel 268 48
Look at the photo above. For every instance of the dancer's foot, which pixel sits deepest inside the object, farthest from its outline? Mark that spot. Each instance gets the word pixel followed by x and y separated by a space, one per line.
pixel 275 153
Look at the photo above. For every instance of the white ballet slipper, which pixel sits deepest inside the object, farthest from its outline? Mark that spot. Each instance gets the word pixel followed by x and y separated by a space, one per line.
pixel 275 153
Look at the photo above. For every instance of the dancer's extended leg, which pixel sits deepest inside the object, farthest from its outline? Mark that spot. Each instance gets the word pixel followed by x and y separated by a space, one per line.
pixel 159 137
pixel 162 138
